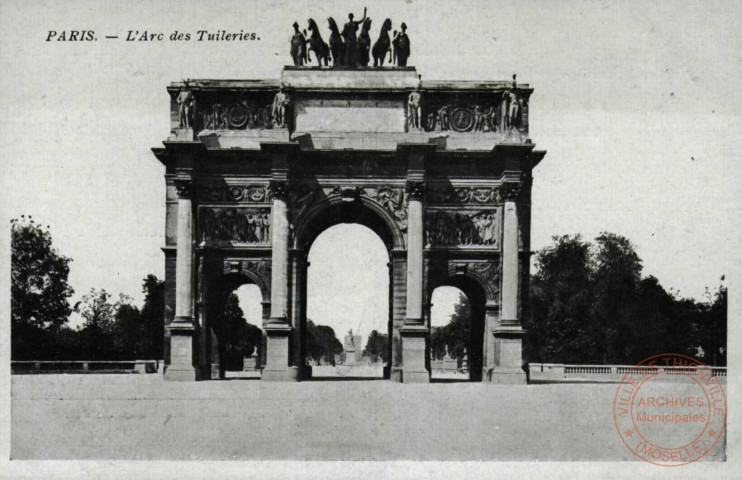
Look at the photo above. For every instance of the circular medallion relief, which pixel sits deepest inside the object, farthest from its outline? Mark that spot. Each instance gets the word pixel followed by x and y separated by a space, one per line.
pixel 462 120
pixel 238 116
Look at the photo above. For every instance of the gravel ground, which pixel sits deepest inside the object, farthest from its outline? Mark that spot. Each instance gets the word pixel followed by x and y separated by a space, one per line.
pixel 142 417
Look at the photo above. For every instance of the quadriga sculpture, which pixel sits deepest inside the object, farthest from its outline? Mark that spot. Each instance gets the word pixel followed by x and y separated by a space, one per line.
pixel 317 45
pixel 382 45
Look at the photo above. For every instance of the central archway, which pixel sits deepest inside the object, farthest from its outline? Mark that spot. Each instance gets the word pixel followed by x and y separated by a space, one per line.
pixel 347 285
pixel 375 222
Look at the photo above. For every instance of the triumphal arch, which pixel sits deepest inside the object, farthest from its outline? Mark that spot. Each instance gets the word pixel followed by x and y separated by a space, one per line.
pixel 257 169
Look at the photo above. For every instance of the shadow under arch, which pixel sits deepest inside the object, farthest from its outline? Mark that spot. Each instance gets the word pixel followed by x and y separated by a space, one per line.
pixel 479 293
pixel 219 289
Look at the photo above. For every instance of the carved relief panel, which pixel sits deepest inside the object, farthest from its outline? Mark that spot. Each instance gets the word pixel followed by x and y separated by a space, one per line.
pixel 259 268
pixel 448 194
pixel 234 225
pixel 502 111
pixel 448 228
pixel 249 110
pixel 236 193
pixel 390 198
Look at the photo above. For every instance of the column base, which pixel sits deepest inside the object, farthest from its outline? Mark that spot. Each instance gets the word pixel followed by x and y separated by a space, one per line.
pixel 277 354
pixel 504 376
pixel 181 369
pixel 278 376
pixel 180 373
pixel 413 354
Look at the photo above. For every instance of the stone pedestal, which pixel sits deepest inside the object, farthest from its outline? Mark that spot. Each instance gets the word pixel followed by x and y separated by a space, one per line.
pixel 277 359
pixel 181 354
pixel 509 355
pixel 413 354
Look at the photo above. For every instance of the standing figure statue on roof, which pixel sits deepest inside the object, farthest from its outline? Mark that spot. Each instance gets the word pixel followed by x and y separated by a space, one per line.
pixel 413 107
pixel 185 102
pixel 298 47
pixel 280 110
pixel 350 36
pixel 402 44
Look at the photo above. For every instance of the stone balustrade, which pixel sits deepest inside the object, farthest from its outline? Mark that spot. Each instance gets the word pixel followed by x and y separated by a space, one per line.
pixel 85 366
pixel 561 373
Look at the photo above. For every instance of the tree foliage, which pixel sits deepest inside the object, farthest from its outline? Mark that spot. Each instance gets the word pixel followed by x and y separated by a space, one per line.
pixel 40 309
pixel 39 289
pixel 377 347
pixel 590 304
pixel 455 336
pixel 152 317
pixel 237 338
pixel 322 344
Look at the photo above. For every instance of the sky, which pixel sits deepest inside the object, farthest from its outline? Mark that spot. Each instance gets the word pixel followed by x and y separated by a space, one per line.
pixel 637 104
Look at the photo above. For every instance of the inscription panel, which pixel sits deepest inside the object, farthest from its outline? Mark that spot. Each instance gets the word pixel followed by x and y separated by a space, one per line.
pixel 383 116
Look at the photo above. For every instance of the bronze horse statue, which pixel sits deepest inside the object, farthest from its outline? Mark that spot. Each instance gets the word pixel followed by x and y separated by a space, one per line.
pixel 382 44
pixel 364 43
pixel 317 45
pixel 298 47
pixel 337 46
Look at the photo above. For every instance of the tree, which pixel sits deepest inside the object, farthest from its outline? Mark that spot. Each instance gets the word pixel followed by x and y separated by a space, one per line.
pixel 98 329
pixel 455 336
pixel 153 317
pixel 560 301
pixel 128 331
pixel 590 304
pixel 39 289
pixel 617 273
pixel 237 338
pixel 322 344
pixel 377 347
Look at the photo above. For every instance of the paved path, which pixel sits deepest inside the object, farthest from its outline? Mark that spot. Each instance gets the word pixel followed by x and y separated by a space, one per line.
pixel 142 417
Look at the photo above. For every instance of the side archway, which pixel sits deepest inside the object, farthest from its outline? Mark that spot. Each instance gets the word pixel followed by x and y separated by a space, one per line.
pixel 219 333
pixel 480 294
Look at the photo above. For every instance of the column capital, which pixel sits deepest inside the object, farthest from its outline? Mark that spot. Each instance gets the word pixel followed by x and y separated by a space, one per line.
pixel 415 189
pixel 509 191
pixel 184 186
pixel 279 189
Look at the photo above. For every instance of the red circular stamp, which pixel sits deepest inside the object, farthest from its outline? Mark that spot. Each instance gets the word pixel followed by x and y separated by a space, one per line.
pixel 670 410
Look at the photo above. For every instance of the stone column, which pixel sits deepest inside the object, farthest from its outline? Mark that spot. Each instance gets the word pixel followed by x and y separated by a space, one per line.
pixel 508 333
pixel 398 298
pixel 491 317
pixel 278 329
pixel 414 332
pixel 182 329
pixel 510 258
pixel 298 267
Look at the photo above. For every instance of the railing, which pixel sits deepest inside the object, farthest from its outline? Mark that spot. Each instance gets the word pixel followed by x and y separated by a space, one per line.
pixel 450 365
pixel 85 366
pixel 559 372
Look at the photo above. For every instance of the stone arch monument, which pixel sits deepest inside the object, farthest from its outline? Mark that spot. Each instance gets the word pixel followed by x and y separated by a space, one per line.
pixel 441 171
